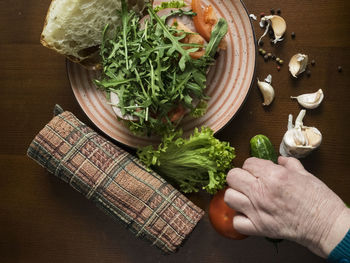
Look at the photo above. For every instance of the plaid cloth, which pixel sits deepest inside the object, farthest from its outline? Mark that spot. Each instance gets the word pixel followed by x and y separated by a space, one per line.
pixel 115 181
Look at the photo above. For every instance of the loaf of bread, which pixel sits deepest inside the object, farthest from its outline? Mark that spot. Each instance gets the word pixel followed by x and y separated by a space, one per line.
pixel 74 27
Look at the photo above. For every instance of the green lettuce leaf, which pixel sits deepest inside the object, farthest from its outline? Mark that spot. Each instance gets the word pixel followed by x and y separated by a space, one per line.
pixel 200 161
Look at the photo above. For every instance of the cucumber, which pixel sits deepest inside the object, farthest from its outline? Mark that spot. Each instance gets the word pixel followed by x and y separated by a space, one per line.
pixel 261 147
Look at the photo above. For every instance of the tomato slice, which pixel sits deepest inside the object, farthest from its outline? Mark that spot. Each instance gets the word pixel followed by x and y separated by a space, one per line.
pixel 197 54
pixel 221 217
pixel 177 113
pixel 210 16
pixel 191 38
pixel 202 28
pixel 205 21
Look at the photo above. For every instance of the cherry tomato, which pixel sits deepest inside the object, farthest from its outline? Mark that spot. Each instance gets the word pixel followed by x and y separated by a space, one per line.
pixel 221 217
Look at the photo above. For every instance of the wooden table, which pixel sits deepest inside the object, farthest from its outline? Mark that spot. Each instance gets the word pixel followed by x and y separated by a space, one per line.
pixel 43 220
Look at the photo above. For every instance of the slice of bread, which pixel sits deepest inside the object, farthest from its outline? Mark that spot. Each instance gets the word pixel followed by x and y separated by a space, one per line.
pixel 74 27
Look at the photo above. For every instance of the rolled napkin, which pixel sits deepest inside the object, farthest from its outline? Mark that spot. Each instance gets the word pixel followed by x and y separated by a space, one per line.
pixel 115 181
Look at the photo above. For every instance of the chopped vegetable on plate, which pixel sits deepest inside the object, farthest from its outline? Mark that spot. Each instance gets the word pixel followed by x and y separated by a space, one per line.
pixel 155 73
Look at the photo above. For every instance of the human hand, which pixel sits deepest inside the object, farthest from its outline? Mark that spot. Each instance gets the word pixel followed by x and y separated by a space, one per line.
pixel 285 201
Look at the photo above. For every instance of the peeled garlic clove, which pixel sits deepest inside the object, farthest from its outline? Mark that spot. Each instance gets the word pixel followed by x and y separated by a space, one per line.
pixel 310 100
pixel 267 90
pixel 116 109
pixel 299 140
pixel 297 64
pixel 278 24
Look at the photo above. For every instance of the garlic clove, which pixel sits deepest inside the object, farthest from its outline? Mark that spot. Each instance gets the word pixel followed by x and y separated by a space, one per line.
pixel 310 100
pixel 267 90
pixel 278 24
pixel 297 64
pixel 114 102
pixel 314 136
pixel 299 140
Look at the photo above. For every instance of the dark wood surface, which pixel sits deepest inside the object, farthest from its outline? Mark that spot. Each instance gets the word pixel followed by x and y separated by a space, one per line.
pixel 43 220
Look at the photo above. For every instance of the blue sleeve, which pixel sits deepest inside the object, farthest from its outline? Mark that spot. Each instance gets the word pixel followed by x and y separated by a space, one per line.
pixel 341 253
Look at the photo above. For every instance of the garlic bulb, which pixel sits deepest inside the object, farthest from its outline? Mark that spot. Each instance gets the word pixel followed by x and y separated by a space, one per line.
pixel 267 90
pixel 297 64
pixel 278 25
pixel 299 140
pixel 310 100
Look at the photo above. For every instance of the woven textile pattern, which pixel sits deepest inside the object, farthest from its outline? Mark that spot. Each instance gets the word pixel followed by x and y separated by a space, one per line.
pixel 115 181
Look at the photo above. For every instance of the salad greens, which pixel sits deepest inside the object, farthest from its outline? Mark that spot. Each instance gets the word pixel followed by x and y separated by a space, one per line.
pixel 170 4
pixel 152 72
pixel 201 161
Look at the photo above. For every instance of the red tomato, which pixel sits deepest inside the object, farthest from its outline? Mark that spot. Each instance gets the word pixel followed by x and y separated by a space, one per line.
pixel 202 28
pixel 177 113
pixel 205 20
pixel 221 217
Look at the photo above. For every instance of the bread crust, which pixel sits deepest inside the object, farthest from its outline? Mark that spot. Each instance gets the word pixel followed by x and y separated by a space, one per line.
pixel 42 36
pixel 93 58
pixel 91 62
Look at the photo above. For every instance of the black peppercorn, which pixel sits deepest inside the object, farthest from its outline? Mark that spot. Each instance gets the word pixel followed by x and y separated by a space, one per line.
pixel 261 43
pixel 313 62
pixel 308 73
pixel 266 57
pixel 272 11
pixel 278 11
pixel 340 69
pixel 292 35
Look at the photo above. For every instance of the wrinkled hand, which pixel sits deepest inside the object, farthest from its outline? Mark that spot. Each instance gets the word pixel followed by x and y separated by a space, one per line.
pixel 285 201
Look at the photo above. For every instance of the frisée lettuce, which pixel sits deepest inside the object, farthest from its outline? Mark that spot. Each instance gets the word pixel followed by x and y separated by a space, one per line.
pixel 201 161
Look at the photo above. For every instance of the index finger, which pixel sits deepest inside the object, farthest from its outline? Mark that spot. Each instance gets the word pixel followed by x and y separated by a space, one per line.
pixel 240 180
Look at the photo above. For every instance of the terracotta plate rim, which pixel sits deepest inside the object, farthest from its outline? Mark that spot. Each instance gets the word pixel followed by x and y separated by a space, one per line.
pixel 253 76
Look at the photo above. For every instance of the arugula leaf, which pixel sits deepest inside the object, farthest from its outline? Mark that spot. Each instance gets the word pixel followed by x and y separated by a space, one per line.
pixel 174 40
pixel 219 31
pixel 125 20
pixel 151 71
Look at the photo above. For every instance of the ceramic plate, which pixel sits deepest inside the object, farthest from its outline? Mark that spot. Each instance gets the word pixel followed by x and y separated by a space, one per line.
pixel 228 81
